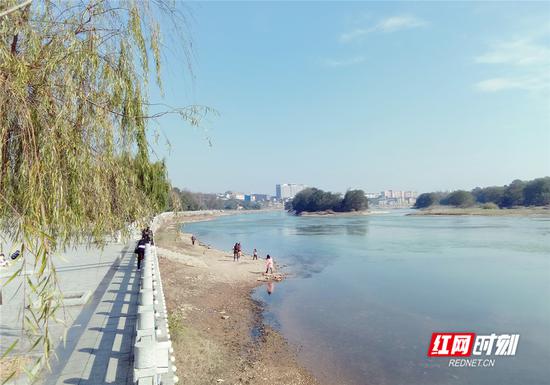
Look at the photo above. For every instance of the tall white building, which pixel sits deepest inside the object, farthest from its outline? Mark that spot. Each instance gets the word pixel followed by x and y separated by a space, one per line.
pixel 288 190
pixel 398 194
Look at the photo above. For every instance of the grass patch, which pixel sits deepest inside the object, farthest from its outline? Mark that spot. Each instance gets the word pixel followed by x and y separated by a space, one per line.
pixel 202 357
pixel 175 323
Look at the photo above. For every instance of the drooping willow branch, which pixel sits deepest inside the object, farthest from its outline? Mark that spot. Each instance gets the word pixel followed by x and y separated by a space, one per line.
pixel 74 150
pixel 15 8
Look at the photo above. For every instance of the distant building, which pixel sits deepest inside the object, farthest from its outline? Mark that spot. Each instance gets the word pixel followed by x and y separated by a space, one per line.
pixel 400 195
pixel 260 197
pixel 288 190
pixel 392 198
pixel 234 195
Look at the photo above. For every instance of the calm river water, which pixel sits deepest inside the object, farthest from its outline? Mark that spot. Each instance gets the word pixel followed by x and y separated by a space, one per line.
pixel 367 292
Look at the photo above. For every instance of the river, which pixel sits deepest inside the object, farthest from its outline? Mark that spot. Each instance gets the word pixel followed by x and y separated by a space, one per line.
pixel 367 292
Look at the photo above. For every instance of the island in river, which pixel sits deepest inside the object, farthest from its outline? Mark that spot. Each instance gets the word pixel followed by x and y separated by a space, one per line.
pixel 313 200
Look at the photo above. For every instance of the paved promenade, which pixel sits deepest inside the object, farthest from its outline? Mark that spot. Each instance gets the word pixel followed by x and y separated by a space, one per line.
pixel 100 342
pixel 100 337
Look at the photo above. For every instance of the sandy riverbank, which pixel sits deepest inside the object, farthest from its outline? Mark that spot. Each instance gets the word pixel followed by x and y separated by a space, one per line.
pixel 524 211
pixel 216 327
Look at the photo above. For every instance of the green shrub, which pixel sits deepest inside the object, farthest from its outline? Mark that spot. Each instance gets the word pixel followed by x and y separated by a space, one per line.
pixel 425 200
pixel 458 198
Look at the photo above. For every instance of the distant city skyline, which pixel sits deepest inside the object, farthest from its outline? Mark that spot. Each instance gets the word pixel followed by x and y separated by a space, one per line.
pixel 285 190
pixel 404 96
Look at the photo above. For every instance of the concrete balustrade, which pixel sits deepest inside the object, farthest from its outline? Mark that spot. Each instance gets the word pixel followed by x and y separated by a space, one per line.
pixel 146 320
pixel 153 352
pixel 147 282
pixel 144 356
pixel 146 297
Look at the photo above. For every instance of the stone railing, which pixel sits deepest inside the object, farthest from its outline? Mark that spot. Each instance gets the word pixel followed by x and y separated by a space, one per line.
pixel 153 352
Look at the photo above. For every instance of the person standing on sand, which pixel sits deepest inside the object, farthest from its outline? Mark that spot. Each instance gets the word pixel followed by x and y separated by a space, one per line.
pixel 193 239
pixel 235 251
pixel 255 255
pixel 238 251
pixel 268 264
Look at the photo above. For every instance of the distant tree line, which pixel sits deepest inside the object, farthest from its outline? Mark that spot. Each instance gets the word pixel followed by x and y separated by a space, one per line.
pixel 518 193
pixel 314 200
pixel 183 200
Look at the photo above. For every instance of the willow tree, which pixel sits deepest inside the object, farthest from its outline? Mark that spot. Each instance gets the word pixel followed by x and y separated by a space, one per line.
pixel 74 114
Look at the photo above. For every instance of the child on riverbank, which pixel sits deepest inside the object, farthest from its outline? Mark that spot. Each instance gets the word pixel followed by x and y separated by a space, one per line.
pixel 268 264
pixel 255 254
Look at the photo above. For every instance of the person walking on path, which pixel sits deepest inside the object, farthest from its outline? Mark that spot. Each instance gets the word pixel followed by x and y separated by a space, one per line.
pixel 193 239
pixel 268 264
pixel 140 251
pixel 255 254
pixel 147 235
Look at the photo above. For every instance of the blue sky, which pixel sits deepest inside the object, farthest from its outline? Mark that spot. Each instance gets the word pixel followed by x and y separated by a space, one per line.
pixel 422 96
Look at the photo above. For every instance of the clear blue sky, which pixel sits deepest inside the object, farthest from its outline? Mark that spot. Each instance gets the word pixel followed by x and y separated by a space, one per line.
pixel 423 96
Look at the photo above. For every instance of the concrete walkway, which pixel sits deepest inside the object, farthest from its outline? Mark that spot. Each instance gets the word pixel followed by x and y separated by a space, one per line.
pixel 100 287
pixel 99 343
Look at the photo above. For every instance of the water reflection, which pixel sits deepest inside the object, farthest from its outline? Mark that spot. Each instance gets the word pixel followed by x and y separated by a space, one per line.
pixel 306 265
pixel 270 286
pixel 317 229
pixel 350 228
pixel 357 229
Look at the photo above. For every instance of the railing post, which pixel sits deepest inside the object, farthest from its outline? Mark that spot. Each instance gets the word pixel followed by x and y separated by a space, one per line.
pixel 153 359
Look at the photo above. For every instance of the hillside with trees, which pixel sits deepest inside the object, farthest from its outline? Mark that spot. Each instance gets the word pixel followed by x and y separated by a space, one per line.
pixel 516 194
pixel 316 200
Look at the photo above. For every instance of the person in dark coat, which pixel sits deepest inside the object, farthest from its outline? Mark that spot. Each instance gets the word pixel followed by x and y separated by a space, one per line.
pixel 140 251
